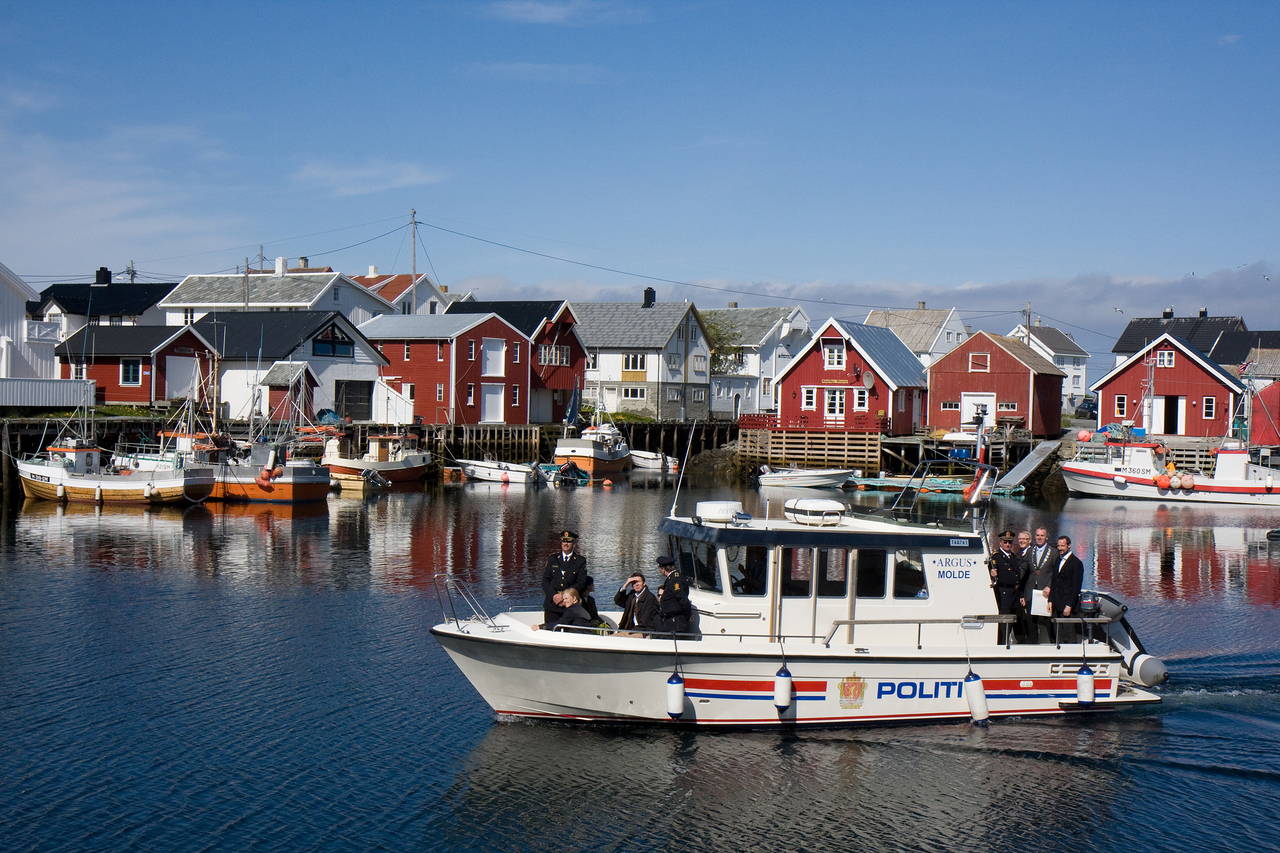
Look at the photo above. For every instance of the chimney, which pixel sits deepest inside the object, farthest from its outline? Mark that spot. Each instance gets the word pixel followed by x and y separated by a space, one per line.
pixel 1168 313
pixel 1204 312
pixel 303 262
pixel 650 296
pixel 280 266
pixel 732 305
pixel 920 305
pixel 102 276
pixel 373 270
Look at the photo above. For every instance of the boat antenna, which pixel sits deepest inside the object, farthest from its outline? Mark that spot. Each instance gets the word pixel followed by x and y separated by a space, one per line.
pixel 683 465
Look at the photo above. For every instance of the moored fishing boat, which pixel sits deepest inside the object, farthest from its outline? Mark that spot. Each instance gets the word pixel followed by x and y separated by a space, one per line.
pixel 492 471
pixel 390 459
pixel 818 618
pixel 600 451
pixel 76 469
pixel 1125 466
pixel 813 478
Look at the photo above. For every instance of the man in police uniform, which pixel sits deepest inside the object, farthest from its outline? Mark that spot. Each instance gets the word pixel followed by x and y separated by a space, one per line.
pixel 1008 572
pixel 563 570
pixel 674 608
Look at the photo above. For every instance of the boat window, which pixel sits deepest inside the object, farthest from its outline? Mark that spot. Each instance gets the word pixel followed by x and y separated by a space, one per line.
pixel 908 575
pixel 697 561
pixel 871 573
pixel 748 569
pixel 833 574
pixel 796 571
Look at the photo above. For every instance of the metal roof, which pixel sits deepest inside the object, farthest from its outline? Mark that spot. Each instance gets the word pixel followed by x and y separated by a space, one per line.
pixel 917 327
pixel 296 289
pixel 91 341
pixel 285 373
pixel 1024 354
pixel 266 335
pixel 897 364
pixel 129 300
pixel 527 316
pixel 400 327
pixel 1057 341
pixel 628 325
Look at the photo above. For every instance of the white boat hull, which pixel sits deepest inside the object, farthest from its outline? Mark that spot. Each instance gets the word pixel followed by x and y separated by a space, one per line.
pixel 649 460
pixel 520 672
pixel 499 472
pixel 1103 481
pixel 824 478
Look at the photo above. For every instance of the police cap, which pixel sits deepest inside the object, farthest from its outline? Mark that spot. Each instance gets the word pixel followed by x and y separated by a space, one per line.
pixel 664 561
pixel 568 536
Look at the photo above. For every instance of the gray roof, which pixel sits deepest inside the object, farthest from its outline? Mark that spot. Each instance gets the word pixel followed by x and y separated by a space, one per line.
pixel 400 327
pixel 897 364
pixel 298 289
pixel 628 325
pixel 917 327
pixel 284 373
pixel 745 327
pixel 1025 354
pixel 1057 341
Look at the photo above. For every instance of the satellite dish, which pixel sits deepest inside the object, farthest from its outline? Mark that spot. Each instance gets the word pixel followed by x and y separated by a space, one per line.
pixel 868 380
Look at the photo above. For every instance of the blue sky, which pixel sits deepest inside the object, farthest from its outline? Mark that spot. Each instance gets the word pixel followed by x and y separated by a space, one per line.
pixel 1100 160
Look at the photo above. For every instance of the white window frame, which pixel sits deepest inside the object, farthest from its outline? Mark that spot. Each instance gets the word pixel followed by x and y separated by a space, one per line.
pixel 635 361
pixel 700 394
pixel 79 370
pixel 515 394
pixel 1165 358
pixel 1209 408
pixel 1007 406
pixel 700 363
pixel 673 361
pixel 439 392
pixel 833 403
pixel 471 394
pixel 137 361
pixel 861 399
pixel 408 390
pixel 515 352
pixel 593 361
pixel 809 399
pixel 675 395
pixel 979 362
pixel 833 356
pixel 1122 406
pixel 634 392
pixel 406 350
pixel 440 351
pixel 950 405
pixel 471 350
pixel 188 316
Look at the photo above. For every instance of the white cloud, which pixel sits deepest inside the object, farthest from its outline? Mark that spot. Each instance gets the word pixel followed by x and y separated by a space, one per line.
pixel 1230 39
pixel 538 72
pixel 371 176
pixel 566 12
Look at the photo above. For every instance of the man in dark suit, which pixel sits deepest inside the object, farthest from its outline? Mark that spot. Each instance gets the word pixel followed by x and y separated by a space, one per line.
pixel 1064 589
pixel 563 570
pixel 1042 559
pixel 639 606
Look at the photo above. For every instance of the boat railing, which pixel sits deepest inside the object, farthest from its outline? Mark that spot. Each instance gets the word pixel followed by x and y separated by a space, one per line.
pixel 967 622
pixel 446 586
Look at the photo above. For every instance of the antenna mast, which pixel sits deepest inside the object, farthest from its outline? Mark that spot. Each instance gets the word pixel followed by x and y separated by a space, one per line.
pixel 413 279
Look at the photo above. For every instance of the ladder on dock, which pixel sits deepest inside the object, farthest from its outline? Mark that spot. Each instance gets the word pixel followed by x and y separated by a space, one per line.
pixel 1029 464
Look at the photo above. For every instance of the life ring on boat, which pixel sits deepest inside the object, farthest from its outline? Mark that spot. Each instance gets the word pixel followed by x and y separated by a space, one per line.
pixel 125 472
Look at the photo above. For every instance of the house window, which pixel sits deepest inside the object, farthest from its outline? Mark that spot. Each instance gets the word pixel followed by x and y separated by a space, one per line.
pixel 766 388
pixel 834 402
pixel 674 395
pixel 950 336
pixel 95 320
pixel 553 355
pixel 860 399
pixel 332 342
pixel 515 352
pixel 673 361
pixel 431 307
pixel 833 356
pixel 593 361
pixel 440 351
pixel 700 394
pixel 439 392
pixel 950 405
pixel 404 307
pixel 515 395
pixel 633 393
pixel 700 363
pixel 130 371
pixel 337 293
pixel 1164 358
pixel 115 320
pixel 471 350
pixel 406 350
pixel 408 390
pixel 1122 406
pixel 1077 381
pixel 188 316
pixel 1210 407
pixel 808 398
pixel 471 394
pixel 633 361
pixel 1005 406
pixel 79 371
pixel 979 362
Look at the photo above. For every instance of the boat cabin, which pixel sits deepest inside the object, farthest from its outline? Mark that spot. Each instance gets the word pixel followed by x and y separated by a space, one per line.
pixel 819 575
pixel 76 455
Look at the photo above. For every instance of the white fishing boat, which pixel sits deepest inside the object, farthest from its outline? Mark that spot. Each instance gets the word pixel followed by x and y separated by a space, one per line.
pixel 817 618
pixel 389 459
pixel 1135 468
pixel 813 478
pixel 600 451
pixel 492 471
pixel 76 469
pixel 652 461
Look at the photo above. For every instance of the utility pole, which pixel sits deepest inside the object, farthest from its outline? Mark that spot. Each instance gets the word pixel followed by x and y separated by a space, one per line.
pixel 246 284
pixel 1027 340
pixel 262 259
pixel 132 272
pixel 413 280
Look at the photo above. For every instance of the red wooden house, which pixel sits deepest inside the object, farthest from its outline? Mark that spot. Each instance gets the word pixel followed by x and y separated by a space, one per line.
pixel 848 377
pixel 138 365
pixel 1168 387
pixel 560 358
pixel 997 380
pixel 457 369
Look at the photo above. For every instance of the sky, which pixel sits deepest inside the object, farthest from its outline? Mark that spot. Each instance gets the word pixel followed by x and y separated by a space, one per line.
pixel 1099 161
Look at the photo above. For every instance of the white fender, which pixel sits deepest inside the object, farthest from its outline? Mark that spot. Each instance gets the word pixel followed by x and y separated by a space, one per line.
pixel 1084 684
pixel 782 689
pixel 976 696
pixel 675 696
pixel 61 491
pixel 97 493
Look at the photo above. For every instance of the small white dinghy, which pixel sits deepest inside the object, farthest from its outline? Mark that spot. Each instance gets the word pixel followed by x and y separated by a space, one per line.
pixel 814 478
pixel 492 471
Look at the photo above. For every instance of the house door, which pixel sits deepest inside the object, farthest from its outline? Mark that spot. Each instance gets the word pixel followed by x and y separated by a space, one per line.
pixel 491 403
pixel 833 405
pixel 973 405
pixel 1168 416
pixel 181 377
pixel 609 399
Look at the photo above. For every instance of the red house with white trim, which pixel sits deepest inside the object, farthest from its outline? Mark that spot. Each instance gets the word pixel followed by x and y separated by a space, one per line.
pixel 457 369
pixel 138 365
pixel 1169 388
pixel 998 379
pixel 849 377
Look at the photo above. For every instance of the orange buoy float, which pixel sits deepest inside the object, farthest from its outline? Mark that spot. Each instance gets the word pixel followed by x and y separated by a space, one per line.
pixel 1162 482
pixel 1084 435
pixel 277 473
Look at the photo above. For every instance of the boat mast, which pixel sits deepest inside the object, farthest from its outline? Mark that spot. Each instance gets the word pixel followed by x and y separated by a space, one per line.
pixel 413 277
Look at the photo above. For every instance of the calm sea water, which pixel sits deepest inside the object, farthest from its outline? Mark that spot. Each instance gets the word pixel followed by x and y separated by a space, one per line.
pixel 259 678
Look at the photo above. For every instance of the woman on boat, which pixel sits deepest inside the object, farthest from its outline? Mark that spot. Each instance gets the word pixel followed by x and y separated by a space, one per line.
pixel 573 618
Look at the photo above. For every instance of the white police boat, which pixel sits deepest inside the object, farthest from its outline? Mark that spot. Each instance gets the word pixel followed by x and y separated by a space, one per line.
pixel 818 618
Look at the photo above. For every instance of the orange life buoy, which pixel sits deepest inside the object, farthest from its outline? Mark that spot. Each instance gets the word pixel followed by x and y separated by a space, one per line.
pixel 1162 482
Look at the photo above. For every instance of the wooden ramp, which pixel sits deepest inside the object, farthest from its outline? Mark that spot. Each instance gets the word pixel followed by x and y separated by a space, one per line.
pixel 1030 463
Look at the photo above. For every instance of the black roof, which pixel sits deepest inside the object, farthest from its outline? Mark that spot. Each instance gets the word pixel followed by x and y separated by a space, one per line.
pixel 121 298
pixel 266 335
pixel 527 316
pixel 1233 348
pixel 96 341
pixel 1199 332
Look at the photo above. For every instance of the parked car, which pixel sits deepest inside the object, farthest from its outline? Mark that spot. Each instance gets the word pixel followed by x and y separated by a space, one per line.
pixel 1088 409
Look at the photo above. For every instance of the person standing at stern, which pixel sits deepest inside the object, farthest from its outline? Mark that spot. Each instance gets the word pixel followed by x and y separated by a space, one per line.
pixel 1064 589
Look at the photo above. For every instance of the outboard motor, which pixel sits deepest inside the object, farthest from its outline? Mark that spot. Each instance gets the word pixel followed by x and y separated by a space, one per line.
pixel 1139 667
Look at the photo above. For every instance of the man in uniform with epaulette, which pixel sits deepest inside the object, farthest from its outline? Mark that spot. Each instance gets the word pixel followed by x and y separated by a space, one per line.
pixel 674 608
pixel 563 570
pixel 1008 572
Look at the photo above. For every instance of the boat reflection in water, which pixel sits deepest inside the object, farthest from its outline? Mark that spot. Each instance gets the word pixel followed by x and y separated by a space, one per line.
pixel 1180 552
pixel 114 537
